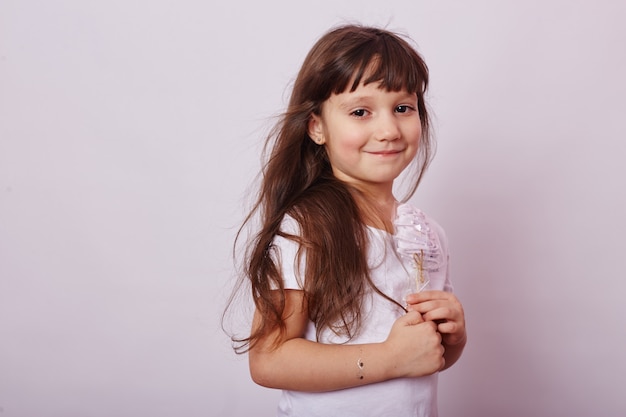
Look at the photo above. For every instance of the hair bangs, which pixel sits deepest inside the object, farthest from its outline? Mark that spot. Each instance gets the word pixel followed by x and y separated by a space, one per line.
pixel 393 65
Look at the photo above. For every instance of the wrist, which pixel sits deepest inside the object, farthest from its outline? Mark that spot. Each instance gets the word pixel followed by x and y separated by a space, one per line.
pixel 377 360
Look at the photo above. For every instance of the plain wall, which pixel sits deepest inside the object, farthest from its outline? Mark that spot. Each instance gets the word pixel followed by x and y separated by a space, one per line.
pixel 130 132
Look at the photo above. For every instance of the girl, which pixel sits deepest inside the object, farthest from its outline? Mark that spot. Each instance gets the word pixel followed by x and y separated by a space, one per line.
pixel 354 314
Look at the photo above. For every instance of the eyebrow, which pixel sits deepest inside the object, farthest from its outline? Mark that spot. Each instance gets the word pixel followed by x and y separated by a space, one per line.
pixel 353 101
pixel 359 98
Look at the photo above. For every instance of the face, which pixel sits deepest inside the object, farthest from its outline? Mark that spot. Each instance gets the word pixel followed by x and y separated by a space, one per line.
pixel 371 135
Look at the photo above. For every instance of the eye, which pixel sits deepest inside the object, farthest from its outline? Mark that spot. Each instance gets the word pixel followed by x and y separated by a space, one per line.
pixel 359 112
pixel 403 108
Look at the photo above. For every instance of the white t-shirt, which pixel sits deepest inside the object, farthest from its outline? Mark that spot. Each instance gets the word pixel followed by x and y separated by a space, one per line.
pixel 393 271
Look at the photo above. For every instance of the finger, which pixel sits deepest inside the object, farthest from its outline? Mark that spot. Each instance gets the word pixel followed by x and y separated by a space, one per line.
pixel 425 306
pixel 447 327
pixel 428 295
pixel 437 310
pixel 441 313
pixel 412 317
pixel 443 363
pixel 413 307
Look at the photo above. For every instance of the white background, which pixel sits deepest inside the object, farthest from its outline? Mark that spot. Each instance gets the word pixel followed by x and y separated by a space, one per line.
pixel 130 131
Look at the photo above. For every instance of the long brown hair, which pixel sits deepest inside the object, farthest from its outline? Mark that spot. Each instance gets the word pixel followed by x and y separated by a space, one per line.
pixel 297 180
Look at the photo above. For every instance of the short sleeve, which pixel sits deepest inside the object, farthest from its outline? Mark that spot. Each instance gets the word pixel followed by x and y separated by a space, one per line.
pixel 285 253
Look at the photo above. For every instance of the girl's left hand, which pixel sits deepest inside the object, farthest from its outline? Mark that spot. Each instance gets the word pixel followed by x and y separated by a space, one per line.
pixel 445 309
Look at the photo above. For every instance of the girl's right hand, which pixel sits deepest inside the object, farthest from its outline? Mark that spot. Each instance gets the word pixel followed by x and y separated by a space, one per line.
pixel 415 346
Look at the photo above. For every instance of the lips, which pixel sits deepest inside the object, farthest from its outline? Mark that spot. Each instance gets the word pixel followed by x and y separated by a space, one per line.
pixel 386 152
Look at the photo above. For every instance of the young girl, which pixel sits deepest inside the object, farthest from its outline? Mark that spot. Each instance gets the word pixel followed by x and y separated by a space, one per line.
pixel 354 311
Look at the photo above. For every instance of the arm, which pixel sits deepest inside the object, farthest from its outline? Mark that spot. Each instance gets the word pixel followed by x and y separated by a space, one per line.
pixel 446 310
pixel 413 348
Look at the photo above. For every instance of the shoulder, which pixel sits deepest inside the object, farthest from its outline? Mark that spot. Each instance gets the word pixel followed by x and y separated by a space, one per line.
pixel 288 235
pixel 289 225
pixel 285 252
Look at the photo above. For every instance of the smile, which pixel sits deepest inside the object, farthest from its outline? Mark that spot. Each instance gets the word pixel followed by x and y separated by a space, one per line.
pixel 386 152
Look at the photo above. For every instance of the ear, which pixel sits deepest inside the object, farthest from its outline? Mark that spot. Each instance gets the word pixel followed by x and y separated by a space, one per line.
pixel 316 129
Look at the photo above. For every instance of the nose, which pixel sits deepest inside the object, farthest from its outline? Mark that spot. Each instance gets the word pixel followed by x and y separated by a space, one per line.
pixel 387 128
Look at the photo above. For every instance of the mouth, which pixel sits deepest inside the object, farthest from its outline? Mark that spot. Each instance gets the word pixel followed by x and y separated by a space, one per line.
pixel 389 152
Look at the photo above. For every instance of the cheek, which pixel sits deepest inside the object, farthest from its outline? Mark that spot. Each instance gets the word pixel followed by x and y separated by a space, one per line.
pixel 414 135
pixel 418 130
pixel 348 139
pixel 353 143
